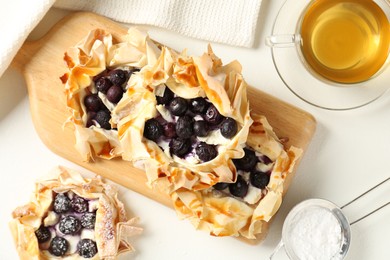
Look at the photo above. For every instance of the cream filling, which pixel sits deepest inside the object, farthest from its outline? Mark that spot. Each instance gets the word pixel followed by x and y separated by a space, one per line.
pixel 106 102
pixel 51 219
pixel 192 158
pixel 72 242
pixel 214 137
pixel 198 118
pixel 165 113
pixel 262 167
pixel 254 194
pixel 159 90
pixel 93 205
pixel 88 233
pixel 70 194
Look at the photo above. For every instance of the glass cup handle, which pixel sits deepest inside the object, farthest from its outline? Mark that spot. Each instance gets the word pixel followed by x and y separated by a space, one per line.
pixel 282 41
pixel 277 248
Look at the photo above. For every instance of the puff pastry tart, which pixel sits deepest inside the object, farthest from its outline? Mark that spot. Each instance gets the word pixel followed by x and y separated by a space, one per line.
pixel 99 69
pixel 71 217
pixel 186 121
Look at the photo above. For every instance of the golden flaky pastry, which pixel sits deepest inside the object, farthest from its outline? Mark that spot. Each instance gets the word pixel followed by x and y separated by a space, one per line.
pixel 83 216
pixel 96 57
pixel 186 78
pixel 216 211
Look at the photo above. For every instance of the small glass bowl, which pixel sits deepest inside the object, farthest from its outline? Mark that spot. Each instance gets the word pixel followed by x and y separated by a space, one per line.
pixel 325 204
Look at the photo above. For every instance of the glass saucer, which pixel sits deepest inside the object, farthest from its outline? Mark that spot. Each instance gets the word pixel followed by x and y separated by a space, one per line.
pixel 311 88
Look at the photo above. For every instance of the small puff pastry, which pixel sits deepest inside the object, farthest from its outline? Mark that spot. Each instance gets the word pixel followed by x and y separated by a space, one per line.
pixel 88 61
pixel 35 225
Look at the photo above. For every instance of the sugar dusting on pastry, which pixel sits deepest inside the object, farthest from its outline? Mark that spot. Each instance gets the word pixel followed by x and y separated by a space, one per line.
pixel 35 225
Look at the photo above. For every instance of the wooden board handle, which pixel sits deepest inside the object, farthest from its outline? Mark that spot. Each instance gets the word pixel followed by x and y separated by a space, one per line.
pixel 25 54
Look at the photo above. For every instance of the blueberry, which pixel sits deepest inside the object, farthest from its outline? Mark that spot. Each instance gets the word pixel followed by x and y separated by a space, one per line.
pixel 206 152
pixel 69 225
pixel 58 246
pixel 259 179
pixel 87 248
pixel 61 203
pixel 153 130
pixel 265 159
pixel 198 105
pixel 90 117
pixel 170 130
pixel 229 127
pixel 201 128
pixel 103 119
pixel 180 146
pixel 133 70
pixel 239 188
pixel 166 98
pixel 79 204
pixel 213 116
pixel 88 220
pixel 248 162
pixel 93 103
pixel 118 77
pixel 185 127
pixel 114 94
pixel 178 106
pixel 100 75
pixel 221 185
pixel 43 234
pixel 103 84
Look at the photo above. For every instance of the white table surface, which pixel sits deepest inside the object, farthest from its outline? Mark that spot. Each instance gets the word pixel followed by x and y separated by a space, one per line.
pixel 349 153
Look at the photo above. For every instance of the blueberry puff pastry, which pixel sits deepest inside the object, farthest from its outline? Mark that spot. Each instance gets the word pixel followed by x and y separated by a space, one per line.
pixel 72 217
pixel 99 68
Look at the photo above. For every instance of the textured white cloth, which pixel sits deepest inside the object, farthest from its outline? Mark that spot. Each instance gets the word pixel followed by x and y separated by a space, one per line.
pixel 231 22
pixel 17 19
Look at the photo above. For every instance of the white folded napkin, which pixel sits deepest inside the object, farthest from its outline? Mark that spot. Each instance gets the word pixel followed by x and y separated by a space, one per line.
pixel 17 19
pixel 231 22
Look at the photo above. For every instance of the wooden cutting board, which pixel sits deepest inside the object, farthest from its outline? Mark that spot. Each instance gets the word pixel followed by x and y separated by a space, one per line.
pixel 41 63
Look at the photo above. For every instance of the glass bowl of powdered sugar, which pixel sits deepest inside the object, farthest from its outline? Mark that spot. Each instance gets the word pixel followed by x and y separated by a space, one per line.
pixel 316 229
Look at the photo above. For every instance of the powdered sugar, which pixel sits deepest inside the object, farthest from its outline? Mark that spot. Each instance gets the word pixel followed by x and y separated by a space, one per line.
pixel 316 234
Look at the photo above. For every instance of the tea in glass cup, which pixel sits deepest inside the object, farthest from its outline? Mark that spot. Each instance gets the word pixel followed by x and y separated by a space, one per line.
pixel 333 54
pixel 345 41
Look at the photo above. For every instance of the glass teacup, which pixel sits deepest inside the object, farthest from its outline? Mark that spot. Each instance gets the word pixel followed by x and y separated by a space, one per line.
pixel 333 54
